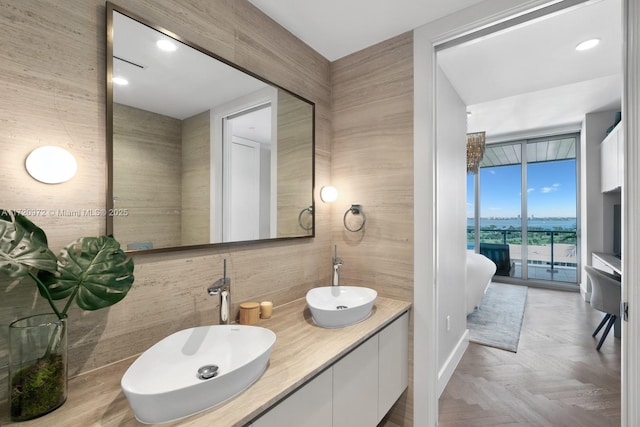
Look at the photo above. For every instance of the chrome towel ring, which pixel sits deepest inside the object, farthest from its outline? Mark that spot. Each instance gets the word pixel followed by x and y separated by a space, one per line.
pixel 310 210
pixel 354 210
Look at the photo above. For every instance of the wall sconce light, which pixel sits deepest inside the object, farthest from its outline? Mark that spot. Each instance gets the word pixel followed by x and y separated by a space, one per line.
pixel 328 194
pixel 51 165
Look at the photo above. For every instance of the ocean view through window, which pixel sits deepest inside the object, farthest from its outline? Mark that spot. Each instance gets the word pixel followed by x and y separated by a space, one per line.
pixel 527 188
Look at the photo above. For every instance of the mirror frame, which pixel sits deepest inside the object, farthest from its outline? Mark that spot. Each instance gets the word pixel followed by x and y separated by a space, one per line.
pixel 110 9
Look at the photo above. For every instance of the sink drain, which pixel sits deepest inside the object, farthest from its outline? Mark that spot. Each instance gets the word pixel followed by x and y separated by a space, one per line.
pixel 208 371
pixel 341 307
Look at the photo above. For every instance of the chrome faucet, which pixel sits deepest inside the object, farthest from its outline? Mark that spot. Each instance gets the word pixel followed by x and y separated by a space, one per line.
pixel 337 263
pixel 222 287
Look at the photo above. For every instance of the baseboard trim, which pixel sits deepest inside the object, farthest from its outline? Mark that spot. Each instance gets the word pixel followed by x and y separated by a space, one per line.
pixel 452 362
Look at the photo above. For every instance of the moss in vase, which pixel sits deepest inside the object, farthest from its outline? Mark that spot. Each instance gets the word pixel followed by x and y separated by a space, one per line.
pixel 39 388
pixel 92 271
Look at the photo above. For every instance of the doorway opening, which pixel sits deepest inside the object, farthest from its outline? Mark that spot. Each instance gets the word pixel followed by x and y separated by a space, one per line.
pixel 522 114
pixel 247 180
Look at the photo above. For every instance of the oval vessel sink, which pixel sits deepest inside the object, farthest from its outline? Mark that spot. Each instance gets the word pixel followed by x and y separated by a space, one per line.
pixel 339 306
pixel 195 369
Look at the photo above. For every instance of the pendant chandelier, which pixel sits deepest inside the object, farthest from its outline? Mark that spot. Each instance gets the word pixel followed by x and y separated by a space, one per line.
pixel 475 151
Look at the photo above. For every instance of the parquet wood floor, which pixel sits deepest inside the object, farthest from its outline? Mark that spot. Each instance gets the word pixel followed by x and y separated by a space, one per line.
pixel 556 379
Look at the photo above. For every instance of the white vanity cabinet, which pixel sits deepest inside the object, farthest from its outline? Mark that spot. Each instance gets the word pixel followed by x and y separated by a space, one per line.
pixel 309 406
pixel 357 390
pixel 355 387
pixel 612 160
pixel 393 367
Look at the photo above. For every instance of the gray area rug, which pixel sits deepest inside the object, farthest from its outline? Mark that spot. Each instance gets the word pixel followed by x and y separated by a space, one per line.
pixel 498 320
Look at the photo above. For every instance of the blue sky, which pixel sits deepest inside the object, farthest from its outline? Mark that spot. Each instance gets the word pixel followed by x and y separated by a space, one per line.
pixel 551 190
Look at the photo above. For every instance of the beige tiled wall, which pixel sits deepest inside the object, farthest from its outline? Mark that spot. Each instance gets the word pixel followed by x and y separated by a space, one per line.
pixel 146 146
pixel 196 188
pixel 294 144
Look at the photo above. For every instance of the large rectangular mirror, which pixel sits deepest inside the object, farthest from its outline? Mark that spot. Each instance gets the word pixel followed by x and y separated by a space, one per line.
pixel 200 151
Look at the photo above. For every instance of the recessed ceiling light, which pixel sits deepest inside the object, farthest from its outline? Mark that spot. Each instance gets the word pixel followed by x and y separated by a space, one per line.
pixel 120 81
pixel 166 45
pixel 586 45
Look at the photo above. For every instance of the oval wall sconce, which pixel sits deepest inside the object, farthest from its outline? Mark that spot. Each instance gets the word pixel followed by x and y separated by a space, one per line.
pixel 328 194
pixel 51 165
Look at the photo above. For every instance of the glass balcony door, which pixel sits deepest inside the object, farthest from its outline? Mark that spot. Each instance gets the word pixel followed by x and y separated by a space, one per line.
pixel 500 188
pixel 525 208
pixel 551 209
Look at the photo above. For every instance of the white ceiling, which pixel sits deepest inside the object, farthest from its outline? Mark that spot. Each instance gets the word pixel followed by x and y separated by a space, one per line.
pixel 336 28
pixel 529 77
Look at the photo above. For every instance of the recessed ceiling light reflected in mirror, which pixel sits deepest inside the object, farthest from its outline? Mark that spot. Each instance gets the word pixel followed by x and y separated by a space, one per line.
pixel 166 45
pixel 588 44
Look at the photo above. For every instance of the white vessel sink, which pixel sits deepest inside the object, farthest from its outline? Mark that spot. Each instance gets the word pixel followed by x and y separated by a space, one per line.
pixel 339 306
pixel 164 384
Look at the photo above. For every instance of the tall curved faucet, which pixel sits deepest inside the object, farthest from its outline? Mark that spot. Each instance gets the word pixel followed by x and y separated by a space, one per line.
pixel 222 287
pixel 337 263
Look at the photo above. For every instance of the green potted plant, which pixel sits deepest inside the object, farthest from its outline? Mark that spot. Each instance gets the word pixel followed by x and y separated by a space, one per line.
pixel 92 271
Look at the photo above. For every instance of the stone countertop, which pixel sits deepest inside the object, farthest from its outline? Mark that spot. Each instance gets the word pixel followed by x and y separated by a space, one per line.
pixel 302 350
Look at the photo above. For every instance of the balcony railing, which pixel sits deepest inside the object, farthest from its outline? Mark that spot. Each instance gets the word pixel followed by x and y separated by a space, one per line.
pixel 552 248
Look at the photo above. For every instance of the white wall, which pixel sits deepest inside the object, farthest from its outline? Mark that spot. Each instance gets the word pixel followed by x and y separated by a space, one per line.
pixel 451 228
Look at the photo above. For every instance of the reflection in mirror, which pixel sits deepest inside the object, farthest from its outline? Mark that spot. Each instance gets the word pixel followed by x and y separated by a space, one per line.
pixel 201 152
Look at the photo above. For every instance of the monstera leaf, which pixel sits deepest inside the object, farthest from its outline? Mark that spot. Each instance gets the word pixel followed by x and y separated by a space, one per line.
pixel 93 271
pixel 23 246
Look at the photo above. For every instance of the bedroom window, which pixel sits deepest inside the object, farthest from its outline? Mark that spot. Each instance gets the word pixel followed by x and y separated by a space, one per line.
pixel 524 201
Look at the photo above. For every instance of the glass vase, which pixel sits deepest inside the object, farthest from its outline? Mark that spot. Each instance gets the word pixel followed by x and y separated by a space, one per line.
pixel 37 366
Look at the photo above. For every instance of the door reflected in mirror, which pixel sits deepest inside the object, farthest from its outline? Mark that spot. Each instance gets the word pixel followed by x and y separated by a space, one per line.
pixel 201 151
